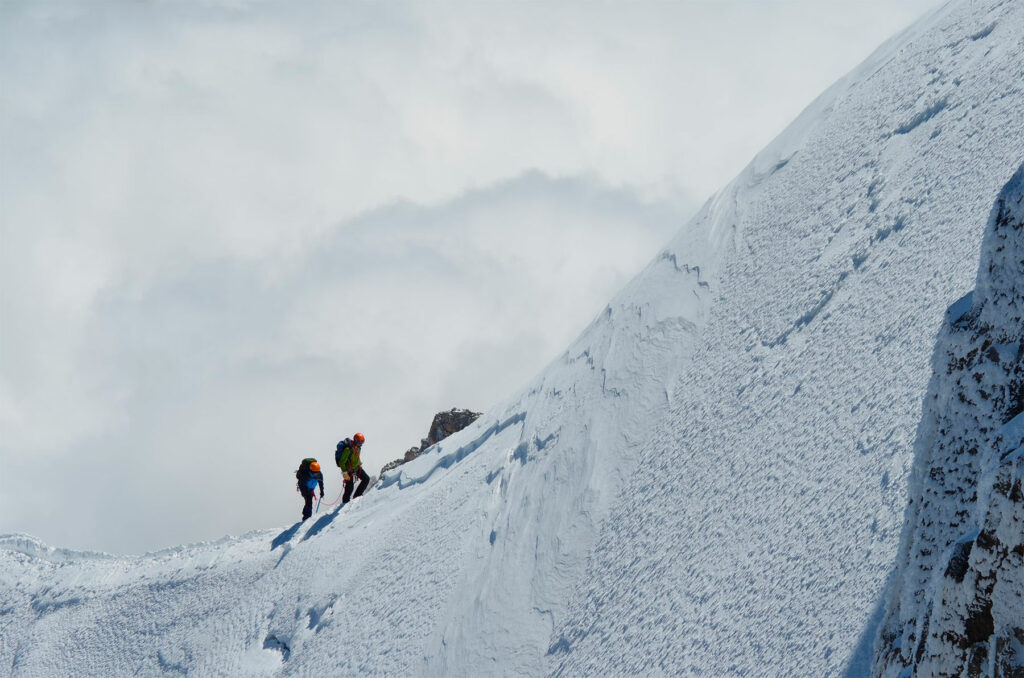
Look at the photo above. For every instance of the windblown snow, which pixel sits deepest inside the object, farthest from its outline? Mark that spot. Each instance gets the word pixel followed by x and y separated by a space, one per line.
pixel 957 607
pixel 710 481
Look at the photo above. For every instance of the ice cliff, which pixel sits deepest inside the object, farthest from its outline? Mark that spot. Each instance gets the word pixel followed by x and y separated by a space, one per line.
pixel 957 606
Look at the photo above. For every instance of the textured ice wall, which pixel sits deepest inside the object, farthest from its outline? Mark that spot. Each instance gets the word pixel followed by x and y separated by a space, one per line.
pixel 957 605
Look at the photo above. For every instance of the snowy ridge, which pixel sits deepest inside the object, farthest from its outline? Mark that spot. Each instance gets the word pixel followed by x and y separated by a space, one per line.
pixel 33 548
pixel 587 414
pixel 957 608
pixel 772 497
pixel 710 481
pixel 443 552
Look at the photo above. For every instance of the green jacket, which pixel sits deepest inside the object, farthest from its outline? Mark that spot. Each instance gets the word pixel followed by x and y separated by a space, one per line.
pixel 349 460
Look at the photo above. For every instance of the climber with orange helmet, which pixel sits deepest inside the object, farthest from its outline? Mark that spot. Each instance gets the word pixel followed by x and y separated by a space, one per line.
pixel 308 477
pixel 346 456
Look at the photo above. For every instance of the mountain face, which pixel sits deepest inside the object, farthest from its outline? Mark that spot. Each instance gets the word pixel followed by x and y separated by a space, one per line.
pixel 759 538
pixel 712 480
pixel 957 606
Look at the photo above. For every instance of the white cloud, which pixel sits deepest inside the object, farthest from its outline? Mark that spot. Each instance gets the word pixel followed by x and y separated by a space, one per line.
pixel 234 232
pixel 222 369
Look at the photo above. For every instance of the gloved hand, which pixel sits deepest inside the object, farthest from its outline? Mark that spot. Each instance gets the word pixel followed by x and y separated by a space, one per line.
pixel 347 476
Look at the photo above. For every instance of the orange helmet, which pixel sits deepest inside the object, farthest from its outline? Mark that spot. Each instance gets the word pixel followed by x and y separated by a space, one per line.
pixel 315 467
pixel 359 439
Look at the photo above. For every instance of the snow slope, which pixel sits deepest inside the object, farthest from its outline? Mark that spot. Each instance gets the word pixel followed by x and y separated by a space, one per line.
pixel 710 481
pixel 957 606
pixel 772 498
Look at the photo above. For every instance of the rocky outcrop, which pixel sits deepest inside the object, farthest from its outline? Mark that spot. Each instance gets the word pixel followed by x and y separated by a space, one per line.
pixel 444 425
pixel 956 606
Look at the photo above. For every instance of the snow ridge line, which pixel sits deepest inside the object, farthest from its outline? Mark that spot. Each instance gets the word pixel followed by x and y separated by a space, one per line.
pixel 34 548
pixel 405 478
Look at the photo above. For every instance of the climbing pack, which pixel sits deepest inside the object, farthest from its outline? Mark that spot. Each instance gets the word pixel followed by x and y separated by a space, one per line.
pixel 304 467
pixel 347 442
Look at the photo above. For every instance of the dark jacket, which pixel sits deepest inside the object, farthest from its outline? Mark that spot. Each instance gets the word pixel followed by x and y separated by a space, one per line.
pixel 308 480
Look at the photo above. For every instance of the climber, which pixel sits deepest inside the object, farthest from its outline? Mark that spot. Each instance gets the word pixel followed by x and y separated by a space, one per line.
pixel 308 476
pixel 346 456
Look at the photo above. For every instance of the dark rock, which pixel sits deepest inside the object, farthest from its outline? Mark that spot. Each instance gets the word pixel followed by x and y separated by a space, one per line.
pixel 447 423
pixel 977 661
pixel 987 541
pixel 958 562
pixel 924 636
pixel 1010 653
pixel 979 626
pixel 444 425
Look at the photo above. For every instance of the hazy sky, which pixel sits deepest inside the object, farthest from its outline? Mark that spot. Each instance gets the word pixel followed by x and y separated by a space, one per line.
pixel 232 233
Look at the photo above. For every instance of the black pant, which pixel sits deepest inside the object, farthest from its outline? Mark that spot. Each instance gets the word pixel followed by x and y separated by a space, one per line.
pixel 307 510
pixel 364 480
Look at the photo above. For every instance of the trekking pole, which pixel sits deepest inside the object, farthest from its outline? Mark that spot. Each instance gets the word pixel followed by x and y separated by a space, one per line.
pixel 318 504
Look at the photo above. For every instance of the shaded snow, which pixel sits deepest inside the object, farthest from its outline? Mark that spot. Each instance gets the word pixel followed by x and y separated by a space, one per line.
pixel 957 604
pixel 710 481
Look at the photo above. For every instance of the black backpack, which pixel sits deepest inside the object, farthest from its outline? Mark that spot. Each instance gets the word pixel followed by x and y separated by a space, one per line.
pixel 304 468
pixel 347 442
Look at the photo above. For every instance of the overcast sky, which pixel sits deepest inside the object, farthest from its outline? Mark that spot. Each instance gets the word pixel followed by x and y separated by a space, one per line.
pixel 232 233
